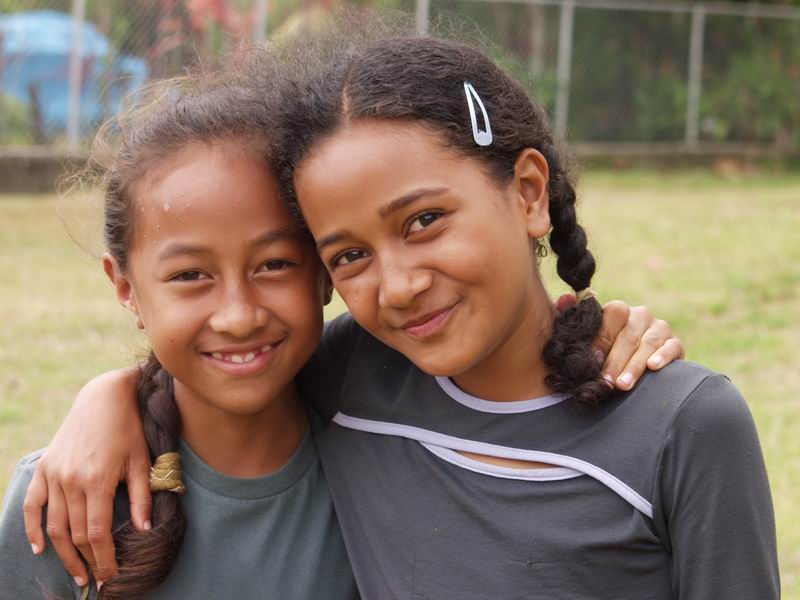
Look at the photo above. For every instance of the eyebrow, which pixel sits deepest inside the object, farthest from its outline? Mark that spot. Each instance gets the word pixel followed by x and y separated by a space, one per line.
pixel 184 249
pixel 400 203
pixel 384 211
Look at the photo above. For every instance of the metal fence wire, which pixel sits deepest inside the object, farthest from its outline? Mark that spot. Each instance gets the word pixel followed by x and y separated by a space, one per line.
pixel 611 71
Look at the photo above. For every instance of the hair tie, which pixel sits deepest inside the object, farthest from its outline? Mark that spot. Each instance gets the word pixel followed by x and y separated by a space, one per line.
pixel 165 474
pixel 585 294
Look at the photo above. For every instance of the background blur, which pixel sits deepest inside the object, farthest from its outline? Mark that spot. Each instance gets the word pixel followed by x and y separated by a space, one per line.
pixel 686 117
pixel 674 73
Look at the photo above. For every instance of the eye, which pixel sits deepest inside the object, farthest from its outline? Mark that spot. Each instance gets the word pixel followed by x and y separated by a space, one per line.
pixel 348 257
pixel 189 276
pixel 275 265
pixel 423 220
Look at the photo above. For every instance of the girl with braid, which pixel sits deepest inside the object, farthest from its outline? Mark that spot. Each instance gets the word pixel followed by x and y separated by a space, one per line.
pixel 229 291
pixel 477 452
pixel 447 482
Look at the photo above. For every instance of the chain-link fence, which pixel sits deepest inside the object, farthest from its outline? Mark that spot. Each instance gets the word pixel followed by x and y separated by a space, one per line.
pixel 607 70
pixel 630 71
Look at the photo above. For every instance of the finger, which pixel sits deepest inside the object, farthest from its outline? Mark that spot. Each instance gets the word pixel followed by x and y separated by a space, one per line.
pixel 626 343
pixel 58 532
pixel 565 302
pixel 138 482
pixel 99 510
pixel 76 513
pixel 615 316
pixel 652 339
pixel 32 507
pixel 671 350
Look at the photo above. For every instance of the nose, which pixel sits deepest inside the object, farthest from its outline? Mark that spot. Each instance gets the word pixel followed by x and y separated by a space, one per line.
pixel 240 313
pixel 401 283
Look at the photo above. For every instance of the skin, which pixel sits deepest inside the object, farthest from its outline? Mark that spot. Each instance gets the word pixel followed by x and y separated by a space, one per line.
pixel 200 292
pixel 401 282
pixel 436 260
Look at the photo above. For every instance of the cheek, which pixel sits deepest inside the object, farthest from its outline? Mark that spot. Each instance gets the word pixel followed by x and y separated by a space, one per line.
pixel 298 306
pixel 360 298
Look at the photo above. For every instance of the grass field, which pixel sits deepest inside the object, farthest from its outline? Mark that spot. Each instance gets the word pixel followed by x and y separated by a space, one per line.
pixel 718 258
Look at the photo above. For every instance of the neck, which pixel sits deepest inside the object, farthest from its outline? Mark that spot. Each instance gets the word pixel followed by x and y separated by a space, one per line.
pixel 515 369
pixel 244 446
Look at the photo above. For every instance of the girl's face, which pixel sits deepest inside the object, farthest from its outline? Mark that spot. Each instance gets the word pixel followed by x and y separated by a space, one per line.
pixel 229 292
pixel 431 256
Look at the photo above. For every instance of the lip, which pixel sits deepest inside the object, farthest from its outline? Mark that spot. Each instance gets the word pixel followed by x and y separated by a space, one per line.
pixel 260 362
pixel 429 324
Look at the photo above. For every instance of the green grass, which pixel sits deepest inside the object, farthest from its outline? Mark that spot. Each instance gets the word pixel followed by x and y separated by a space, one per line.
pixel 718 258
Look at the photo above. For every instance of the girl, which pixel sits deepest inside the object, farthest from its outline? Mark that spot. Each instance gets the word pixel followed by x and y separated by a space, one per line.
pixel 486 447
pixel 231 319
pixel 327 376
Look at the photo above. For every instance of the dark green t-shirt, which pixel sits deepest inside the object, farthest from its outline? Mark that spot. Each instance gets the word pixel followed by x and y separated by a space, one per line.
pixel 273 537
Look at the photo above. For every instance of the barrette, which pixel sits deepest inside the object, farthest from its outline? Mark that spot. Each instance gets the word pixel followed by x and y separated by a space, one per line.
pixel 482 137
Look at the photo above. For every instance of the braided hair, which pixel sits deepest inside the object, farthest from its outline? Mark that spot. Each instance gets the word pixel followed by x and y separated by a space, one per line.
pixel 422 79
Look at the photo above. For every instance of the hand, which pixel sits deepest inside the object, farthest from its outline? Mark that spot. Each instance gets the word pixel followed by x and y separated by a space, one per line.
pixel 631 340
pixel 99 444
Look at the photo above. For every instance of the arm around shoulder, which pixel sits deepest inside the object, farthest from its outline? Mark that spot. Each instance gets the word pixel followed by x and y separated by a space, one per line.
pixel 713 496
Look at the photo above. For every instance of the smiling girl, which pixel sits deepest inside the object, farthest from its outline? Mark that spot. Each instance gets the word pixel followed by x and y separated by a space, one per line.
pixel 230 319
pixel 485 446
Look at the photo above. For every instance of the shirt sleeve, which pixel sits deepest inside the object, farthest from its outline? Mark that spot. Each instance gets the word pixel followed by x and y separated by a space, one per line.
pixel 320 380
pixel 24 575
pixel 715 501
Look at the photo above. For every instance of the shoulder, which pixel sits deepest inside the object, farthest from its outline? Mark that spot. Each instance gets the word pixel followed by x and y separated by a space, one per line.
pixel 699 398
pixel 688 392
pixel 23 474
pixel 23 574
pixel 711 437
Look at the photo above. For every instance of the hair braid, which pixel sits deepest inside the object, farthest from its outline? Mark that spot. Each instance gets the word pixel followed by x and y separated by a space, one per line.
pixel 574 369
pixel 147 557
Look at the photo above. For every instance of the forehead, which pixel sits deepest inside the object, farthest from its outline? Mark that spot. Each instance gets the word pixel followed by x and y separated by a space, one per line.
pixel 372 162
pixel 210 188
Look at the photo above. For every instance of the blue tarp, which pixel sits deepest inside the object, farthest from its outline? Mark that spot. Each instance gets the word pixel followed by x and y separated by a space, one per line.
pixel 35 50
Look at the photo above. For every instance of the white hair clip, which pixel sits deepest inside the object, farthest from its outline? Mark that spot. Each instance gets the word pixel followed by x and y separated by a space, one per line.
pixel 482 137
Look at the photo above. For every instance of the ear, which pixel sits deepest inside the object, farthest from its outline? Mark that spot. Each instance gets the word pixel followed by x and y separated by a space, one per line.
pixel 325 287
pixel 125 294
pixel 531 175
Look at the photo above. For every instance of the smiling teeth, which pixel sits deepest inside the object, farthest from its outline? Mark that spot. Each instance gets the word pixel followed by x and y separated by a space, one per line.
pixel 241 358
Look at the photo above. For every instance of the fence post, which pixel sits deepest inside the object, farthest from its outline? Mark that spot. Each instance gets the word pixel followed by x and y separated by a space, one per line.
pixel 423 11
pixel 259 34
pixel 75 74
pixel 694 88
pixel 538 28
pixel 564 64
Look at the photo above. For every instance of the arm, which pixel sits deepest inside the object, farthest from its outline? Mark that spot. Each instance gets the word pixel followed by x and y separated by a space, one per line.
pixel 714 502
pixel 100 443
pixel 24 575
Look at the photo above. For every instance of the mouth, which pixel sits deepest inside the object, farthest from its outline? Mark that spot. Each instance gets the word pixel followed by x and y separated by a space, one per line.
pixel 430 324
pixel 243 361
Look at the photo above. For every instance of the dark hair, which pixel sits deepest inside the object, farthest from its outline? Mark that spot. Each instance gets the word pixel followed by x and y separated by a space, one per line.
pixel 166 118
pixel 422 79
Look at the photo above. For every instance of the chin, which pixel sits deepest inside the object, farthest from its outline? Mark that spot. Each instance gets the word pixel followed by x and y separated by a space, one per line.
pixel 438 365
pixel 244 406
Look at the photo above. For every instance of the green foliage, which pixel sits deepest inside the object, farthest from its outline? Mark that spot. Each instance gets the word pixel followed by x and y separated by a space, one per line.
pixel 15 121
pixel 752 92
